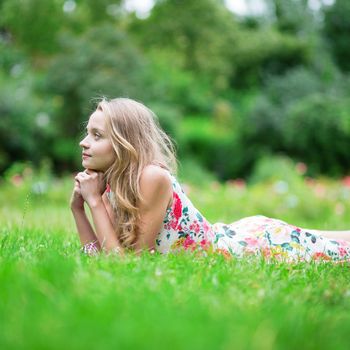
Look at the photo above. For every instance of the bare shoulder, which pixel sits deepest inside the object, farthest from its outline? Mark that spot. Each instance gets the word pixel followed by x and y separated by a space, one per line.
pixel 154 177
pixel 155 184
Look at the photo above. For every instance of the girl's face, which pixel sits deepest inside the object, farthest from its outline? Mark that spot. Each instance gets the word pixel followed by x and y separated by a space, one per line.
pixel 98 153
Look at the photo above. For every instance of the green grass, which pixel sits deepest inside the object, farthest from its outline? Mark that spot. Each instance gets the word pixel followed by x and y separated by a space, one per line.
pixel 53 297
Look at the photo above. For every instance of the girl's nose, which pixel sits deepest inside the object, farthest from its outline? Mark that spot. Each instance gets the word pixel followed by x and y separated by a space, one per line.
pixel 83 143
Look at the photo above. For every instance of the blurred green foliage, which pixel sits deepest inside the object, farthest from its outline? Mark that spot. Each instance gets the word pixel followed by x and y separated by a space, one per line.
pixel 230 90
pixel 336 29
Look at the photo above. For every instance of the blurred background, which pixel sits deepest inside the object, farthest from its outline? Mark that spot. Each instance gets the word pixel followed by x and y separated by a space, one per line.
pixel 245 88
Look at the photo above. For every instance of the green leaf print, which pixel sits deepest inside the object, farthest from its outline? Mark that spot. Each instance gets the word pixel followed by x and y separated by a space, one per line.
pixel 286 246
pixel 217 237
pixel 182 234
pixel 295 238
pixel 228 232
pixel 199 216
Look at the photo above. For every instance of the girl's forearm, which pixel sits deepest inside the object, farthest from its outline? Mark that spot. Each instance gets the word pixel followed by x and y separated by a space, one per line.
pixel 104 228
pixel 84 228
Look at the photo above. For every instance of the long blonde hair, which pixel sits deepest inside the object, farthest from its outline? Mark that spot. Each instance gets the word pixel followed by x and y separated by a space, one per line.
pixel 138 140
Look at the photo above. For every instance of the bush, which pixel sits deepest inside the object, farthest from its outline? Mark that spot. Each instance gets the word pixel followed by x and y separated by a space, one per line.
pixel 317 131
pixel 216 147
pixel 25 123
pixel 257 54
pixel 274 168
pixel 102 62
pixel 336 30
pixel 304 117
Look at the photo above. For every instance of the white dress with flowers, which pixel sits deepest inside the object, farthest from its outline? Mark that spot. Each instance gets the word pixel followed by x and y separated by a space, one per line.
pixel 185 228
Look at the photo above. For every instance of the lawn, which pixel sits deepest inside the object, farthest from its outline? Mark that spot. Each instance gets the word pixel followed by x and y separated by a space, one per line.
pixel 53 297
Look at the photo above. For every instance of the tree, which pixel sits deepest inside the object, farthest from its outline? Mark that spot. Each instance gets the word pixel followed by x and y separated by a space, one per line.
pixel 33 24
pixel 197 34
pixel 337 29
pixel 102 62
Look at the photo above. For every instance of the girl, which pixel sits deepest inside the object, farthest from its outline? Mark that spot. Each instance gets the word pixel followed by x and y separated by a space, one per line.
pixel 137 203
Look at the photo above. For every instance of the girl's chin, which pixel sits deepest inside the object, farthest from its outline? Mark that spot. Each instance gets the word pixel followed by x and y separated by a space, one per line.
pixel 90 167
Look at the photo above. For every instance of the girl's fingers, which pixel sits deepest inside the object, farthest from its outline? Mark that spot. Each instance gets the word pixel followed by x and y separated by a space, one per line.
pixel 81 176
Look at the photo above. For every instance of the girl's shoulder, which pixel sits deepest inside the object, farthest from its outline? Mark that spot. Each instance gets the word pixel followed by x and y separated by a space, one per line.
pixel 151 173
pixel 155 179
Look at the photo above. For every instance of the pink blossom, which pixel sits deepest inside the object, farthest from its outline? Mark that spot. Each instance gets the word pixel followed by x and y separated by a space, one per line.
pixel 301 168
pixel 310 181
pixel 237 183
pixel 346 181
pixel 17 180
pixel 320 190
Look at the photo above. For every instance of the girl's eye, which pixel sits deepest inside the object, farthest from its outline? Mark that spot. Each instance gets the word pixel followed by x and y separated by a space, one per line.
pixel 97 136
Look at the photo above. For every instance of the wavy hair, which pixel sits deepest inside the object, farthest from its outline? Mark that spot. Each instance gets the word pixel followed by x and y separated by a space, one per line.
pixel 138 140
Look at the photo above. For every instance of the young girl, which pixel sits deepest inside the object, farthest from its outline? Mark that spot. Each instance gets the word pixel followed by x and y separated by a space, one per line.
pixel 137 203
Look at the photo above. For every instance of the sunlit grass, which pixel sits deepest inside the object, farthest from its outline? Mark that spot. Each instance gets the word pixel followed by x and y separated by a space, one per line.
pixel 53 297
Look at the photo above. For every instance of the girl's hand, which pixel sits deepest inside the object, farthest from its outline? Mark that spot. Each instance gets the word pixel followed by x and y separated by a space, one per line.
pixel 77 200
pixel 92 185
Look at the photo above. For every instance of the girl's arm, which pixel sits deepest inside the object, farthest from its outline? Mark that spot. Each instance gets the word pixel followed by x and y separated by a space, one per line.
pixel 86 233
pixel 87 236
pixel 105 233
pixel 156 189
pixel 108 206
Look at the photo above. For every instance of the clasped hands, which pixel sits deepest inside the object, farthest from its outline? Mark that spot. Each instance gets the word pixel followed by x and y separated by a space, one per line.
pixel 90 185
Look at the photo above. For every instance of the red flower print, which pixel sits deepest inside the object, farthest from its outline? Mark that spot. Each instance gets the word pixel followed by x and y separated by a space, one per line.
pixel 189 243
pixel 177 207
pixel 195 227
pixel 342 251
pixel 173 224
pixel 320 256
pixel 205 244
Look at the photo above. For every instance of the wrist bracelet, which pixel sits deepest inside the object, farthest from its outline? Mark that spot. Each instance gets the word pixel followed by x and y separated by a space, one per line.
pixel 90 248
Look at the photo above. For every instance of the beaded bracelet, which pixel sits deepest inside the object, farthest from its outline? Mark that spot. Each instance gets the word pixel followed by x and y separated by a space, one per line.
pixel 90 248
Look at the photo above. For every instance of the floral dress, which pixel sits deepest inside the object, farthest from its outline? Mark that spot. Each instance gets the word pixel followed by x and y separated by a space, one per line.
pixel 185 228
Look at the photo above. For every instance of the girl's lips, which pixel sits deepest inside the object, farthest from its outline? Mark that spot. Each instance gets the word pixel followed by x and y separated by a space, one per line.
pixel 86 156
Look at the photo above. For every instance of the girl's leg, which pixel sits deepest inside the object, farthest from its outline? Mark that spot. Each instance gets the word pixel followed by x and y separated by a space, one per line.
pixel 344 235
